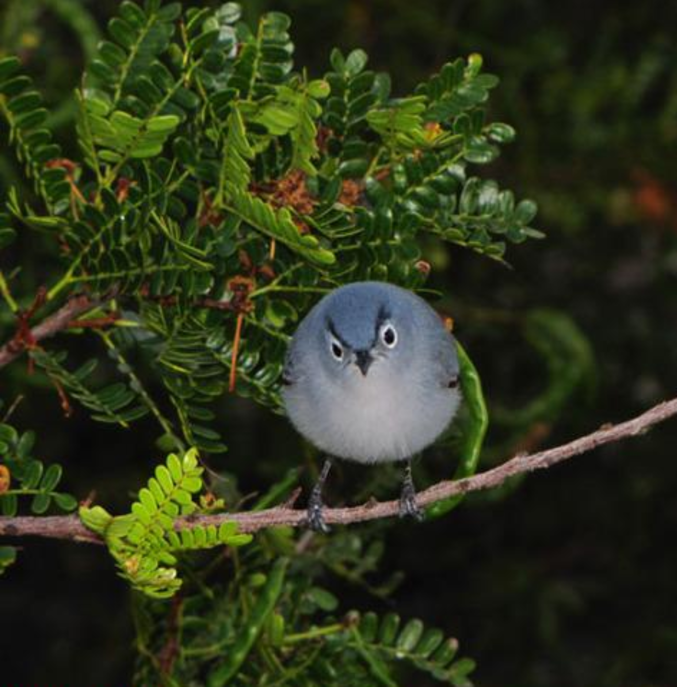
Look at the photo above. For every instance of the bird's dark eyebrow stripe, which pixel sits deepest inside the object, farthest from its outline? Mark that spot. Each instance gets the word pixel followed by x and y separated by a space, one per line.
pixel 332 328
pixel 382 316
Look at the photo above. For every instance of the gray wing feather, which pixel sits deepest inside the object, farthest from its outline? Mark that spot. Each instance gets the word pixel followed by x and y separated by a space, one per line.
pixel 449 369
pixel 290 372
pixel 442 348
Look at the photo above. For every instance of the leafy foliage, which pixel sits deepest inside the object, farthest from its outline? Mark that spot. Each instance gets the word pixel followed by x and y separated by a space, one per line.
pixel 22 108
pixel 24 476
pixel 277 624
pixel 383 641
pixel 144 542
pixel 217 183
pixel 218 192
pixel 111 404
pixel 583 86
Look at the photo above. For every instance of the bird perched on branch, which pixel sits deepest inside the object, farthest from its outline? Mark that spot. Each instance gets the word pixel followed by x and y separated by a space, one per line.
pixel 371 375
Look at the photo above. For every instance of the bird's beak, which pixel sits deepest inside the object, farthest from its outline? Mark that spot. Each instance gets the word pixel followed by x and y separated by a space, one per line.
pixel 363 360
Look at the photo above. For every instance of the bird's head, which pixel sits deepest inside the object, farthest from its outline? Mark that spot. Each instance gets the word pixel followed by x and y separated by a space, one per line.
pixel 363 326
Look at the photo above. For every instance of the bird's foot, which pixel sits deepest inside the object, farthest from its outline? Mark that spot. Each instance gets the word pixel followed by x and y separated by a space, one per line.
pixel 315 515
pixel 408 506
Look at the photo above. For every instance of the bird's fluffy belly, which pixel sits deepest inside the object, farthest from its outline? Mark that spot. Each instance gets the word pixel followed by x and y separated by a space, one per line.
pixel 376 418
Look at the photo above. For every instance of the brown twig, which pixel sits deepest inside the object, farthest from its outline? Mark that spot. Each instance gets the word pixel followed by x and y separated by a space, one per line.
pixel 236 347
pixel 52 325
pixel 172 647
pixel 71 528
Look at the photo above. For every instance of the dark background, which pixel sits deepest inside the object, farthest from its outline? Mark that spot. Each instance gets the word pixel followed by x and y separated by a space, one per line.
pixel 567 580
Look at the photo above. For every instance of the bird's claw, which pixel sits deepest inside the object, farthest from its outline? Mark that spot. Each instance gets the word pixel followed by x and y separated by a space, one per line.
pixel 408 506
pixel 315 520
pixel 315 516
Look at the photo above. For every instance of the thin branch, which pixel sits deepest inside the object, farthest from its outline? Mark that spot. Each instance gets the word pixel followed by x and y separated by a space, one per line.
pixel 67 527
pixel 70 527
pixel 52 325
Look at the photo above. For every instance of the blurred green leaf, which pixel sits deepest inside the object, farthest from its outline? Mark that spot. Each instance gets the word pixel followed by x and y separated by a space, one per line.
pixel 473 428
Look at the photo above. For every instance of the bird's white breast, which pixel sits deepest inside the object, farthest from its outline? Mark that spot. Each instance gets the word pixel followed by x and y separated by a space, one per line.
pixel 373 418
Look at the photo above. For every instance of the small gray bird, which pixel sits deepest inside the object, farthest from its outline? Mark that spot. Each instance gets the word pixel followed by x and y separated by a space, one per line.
pixel 371 375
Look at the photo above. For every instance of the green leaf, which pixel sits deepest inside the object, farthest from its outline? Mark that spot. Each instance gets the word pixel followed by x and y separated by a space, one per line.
pixel 65 502
pixel 40 503
pixel 226 530
pixel 319 89
pixel 33 473
pixel 122 32
pixel 237 152
pixel 278 225
pixel 238 539
pixel 25 445
pixel 26 102
pixel 431 640
pixel 9 504
pixel 8 67
pixel 123 134
pixel 526 211
pixel 51 477
pixel 163 123
pixel 192 484
pixel 132 14
pixel 410 635
pixel 389 628
pixel 164 477
pixel 480 152
pixel 7 553
pixel 223 673
pixel 174 465
pixel 323 599
pixel 355 62
pixel 337 60
pixel 501 133
pixel 170 12
pixel 229 12
pixel 8 433
pixel 14 86
pixel 204 41
pixel 473 429
pixel 148 500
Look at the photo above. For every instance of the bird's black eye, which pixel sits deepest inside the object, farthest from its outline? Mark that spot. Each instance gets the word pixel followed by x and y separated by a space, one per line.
pixel 336 350
pixel 389 336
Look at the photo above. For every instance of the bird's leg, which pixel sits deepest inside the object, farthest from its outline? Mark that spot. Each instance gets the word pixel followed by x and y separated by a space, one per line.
pixel 408 505
pixel 315 517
